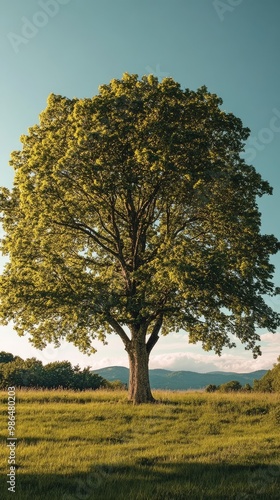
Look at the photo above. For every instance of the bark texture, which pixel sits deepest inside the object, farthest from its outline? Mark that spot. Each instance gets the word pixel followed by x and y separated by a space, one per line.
pixel 139 390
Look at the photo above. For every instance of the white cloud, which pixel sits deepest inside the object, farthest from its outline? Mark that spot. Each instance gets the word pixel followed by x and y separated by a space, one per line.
pixel 182 361
pixel 172 352
pixel 110 361
pixel 206 362
pixel 272 339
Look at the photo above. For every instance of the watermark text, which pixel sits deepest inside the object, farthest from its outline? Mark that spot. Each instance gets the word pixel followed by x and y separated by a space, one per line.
pixel 31 26
pixel 11 440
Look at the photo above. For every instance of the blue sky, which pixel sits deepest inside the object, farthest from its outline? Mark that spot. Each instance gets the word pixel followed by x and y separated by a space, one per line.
pixel 70 47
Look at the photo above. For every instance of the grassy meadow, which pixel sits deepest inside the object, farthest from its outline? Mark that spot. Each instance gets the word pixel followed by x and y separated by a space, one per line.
pixel 96 445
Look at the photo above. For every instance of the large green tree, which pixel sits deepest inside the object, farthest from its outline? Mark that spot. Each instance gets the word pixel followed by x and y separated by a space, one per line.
pixel 133 212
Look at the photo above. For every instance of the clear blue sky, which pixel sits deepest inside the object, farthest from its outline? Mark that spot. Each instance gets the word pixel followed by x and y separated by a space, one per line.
pixel 70 47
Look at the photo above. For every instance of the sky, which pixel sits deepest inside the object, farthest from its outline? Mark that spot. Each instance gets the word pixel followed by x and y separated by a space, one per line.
pixel 70 47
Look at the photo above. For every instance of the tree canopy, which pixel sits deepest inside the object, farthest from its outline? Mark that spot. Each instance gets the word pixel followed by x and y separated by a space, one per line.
pixel 270 382
pixel 59 374
pixel 134 212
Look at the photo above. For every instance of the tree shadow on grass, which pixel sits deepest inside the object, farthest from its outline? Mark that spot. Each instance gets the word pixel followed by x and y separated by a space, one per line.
pixel 150 479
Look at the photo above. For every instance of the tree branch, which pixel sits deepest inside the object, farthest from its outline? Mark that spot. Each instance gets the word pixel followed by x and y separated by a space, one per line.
pixel 91 233
pixel 119 330
pixel 154 335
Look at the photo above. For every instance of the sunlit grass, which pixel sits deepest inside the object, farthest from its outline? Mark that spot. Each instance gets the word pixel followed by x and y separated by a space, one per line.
pixel 95 444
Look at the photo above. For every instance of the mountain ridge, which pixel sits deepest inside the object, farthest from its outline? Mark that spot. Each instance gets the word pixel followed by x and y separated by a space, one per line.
pixel 181 379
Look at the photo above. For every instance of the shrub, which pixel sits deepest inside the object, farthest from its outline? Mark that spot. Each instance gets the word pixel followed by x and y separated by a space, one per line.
pixel 85 379
pixel 247 388
pixel 211 388
pixel 231 386
pixel 59 374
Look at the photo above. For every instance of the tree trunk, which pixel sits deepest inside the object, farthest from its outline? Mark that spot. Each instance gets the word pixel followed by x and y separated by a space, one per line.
pixel 139 390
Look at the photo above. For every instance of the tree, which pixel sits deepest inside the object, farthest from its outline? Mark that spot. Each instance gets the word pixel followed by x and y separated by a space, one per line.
pixel 34 373
pixel 270 382
pixel 247 388
pixel 232 386
pixel 21 373
pixel 6 357
pixel 134 213
pixel 211 388
pixel 31 373
pixel 58 374
pixel 85 379
pixel 13 373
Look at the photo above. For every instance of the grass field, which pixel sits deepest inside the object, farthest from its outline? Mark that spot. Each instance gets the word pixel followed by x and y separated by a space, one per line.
pixel 96 445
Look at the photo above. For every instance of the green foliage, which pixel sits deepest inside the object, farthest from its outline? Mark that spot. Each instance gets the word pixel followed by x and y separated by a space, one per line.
pixel 247 388
pixel 231 386
pixel 6 357
pixel 211 388
pixel 84 379
pixel 270 382
pixel 32 373
pixel 134 208
pixel 58 374
pixel 13 374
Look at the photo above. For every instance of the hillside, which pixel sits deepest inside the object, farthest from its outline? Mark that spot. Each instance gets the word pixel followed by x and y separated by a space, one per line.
pixel 181 380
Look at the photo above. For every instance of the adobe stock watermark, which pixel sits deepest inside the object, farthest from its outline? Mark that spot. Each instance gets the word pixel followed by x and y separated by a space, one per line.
pixel 156 72
pixel 265 136
pixel 260 482
pixel 85 487
pixel 31 27
pixel 223 8
pixel 12 440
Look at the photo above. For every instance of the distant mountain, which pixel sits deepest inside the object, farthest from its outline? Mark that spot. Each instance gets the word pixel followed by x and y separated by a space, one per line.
pixel 181 380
